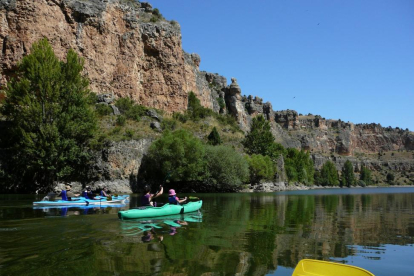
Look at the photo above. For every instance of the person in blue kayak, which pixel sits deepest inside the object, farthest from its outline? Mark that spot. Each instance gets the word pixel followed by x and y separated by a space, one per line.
pixel 147 197
pixel 67 194
pixel 88 193
pixel 104 192
pixel 173 198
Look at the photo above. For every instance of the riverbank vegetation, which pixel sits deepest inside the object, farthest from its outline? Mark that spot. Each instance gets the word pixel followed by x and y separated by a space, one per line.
pixel 54 126
pixel 52 121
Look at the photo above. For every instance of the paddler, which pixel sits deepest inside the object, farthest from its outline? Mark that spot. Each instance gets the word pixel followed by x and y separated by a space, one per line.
pixel 147 197
pixel 173 198
pixel 67 194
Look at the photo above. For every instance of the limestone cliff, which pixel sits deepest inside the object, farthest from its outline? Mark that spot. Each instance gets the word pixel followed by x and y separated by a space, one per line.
pixel 129 50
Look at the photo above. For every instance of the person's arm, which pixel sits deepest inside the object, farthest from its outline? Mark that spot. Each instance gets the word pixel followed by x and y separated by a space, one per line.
pixel 182 200
pixel 158 194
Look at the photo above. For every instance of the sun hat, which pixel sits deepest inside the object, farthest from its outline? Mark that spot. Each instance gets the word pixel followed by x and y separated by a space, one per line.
pixel 171 192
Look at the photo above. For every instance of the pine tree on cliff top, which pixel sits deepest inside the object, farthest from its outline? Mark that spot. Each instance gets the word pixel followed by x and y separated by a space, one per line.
pixel 48 105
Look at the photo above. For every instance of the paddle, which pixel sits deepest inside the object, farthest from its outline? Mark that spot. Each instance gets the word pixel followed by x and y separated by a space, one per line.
pixel 193 198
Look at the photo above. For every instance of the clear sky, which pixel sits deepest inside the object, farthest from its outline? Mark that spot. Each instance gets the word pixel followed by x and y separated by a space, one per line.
pixel 342 59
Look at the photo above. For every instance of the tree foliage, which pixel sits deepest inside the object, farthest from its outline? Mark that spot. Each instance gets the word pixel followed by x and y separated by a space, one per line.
pixel 299 166
pixel 195 110
pixel 348 176
pixel 185 159
pixel 130 109
pixel 261 168
pixel 260 139
pixel 329 175
pixel 226 168
pixel 214 137
pixel 51 118
pixel 365 175
pixel 178 154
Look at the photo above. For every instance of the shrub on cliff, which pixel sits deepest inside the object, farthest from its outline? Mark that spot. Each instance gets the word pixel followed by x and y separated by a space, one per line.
pixel 103 109
pixel 214 137
pixel 52 119
pixel 130 109
pixel 195 110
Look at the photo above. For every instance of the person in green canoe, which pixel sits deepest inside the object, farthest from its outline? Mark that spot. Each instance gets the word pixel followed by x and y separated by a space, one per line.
pixel 147 197
pixel 173 198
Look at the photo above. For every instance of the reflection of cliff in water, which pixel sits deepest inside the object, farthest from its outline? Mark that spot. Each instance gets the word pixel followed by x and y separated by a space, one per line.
pixel 254 234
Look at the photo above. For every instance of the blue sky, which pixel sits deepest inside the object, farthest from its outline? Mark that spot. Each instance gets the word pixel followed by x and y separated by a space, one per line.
pixel 351 60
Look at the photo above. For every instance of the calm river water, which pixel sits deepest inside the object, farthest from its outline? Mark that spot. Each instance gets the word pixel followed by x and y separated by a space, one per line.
pixel 235 234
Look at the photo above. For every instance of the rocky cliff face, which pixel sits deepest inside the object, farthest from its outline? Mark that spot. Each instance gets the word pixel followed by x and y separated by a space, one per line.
pixel 131 51
pixel 125 52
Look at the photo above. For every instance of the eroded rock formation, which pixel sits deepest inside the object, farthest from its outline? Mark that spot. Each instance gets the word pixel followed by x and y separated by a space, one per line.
pixel 125 52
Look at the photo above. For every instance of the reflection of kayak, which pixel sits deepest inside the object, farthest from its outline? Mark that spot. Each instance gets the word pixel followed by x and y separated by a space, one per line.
pixel 165 210
pixel 78 202
pixel 119 197
pixel 321 268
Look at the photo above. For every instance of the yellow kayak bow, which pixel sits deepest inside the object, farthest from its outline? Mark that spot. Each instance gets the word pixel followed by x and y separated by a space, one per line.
pixel 321 268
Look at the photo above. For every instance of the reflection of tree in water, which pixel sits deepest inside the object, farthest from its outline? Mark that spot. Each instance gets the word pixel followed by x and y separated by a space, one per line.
pixel 254 234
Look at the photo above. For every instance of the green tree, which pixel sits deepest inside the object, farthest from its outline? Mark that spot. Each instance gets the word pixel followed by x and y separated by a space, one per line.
pixel 365 175
pixel 226 168
pixel 51 119
pixel 299 166
pixel 178 154
pixel 195 110
pixel 214 137
pixel 260 139
pixel 261 168
pixel 329 175
pixel 348 177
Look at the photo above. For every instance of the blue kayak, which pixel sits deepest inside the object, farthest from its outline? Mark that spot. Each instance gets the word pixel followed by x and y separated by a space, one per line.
pixel 79 202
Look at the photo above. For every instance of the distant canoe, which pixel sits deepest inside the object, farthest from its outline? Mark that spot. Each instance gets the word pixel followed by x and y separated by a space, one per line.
pixel 165 210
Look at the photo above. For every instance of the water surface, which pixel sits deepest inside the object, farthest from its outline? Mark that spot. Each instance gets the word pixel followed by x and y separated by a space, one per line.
pixel 237 234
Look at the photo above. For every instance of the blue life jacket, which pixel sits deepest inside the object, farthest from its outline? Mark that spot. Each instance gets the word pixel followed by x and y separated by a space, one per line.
pixel 173 200
pixel 102 193
pixel 64 195
pixel 90 195
pixel 85 194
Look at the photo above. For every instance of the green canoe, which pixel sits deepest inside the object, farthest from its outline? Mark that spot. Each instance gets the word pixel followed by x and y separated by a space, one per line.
pixel 166 210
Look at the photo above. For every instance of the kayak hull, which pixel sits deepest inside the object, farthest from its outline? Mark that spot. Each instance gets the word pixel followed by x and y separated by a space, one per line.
pixel 166 210
pixel 321 268
pixel 80 202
